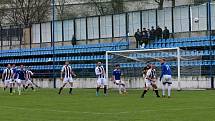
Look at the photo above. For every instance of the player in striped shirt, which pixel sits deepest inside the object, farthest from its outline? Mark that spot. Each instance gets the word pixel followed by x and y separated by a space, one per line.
pixel 116 78
pixel 101 81
pixel 28 79
pixel 68 73
pixel 7 77
pixel 150 80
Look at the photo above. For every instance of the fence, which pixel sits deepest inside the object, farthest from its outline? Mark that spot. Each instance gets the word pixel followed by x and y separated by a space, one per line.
pixel 179 19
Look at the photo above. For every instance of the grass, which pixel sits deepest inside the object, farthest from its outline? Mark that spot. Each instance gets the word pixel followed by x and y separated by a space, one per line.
pixel 47 105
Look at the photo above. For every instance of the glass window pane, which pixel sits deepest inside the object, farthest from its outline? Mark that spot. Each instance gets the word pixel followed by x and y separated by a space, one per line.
pixel 46 32
pixel 199 17
pixel 148 18
pixel 80 28
pixel 181 19
pixel 134 22
pixel 119 25
pixel 58 31
pixel 93 27
pixel 36 33
pixel 68 29
pixel 106 26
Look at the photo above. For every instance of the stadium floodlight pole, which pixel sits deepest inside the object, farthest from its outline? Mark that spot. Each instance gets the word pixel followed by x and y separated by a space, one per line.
pixel 53 41
pixel 210 39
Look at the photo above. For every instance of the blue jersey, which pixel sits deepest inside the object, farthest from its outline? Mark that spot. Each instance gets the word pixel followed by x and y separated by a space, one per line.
pixel 165 70
pixel 117 74
pixel 21 74
pixel 15 72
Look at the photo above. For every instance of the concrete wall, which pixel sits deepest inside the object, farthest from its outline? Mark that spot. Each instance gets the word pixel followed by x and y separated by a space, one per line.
pixel 186 83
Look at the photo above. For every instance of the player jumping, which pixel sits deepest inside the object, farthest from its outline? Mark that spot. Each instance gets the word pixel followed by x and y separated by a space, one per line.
pixel 68 73
pixel 100 73
pixel 116 78
pixel 165 77
pixel 150 80
pixel 7 77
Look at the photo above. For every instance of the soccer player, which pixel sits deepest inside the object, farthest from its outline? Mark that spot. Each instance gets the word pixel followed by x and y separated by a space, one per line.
pixel 15 75
pixel 28 79
pixel 101 81
pixel 150 80
pixel 68 73
pixel 21 78
pixel 165 77
pixel 116 78
pixel 7 77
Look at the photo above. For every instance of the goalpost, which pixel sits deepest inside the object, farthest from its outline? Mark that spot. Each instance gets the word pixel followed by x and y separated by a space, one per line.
pixel 132 63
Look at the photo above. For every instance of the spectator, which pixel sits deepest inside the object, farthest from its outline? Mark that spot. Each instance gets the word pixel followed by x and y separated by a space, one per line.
pixel 145 37
pixel 165 33
pixel 158 33
pixel 74 40
pixel 152 33
pixel 138 37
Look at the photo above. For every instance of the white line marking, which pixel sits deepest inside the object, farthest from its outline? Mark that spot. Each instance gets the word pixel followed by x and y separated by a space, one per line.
pixel 104 113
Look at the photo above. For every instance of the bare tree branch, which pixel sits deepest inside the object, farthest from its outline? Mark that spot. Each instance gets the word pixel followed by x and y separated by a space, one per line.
pixel 28 11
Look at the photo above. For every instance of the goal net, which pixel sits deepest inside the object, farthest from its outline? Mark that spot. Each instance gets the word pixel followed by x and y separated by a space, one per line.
pixel 186 69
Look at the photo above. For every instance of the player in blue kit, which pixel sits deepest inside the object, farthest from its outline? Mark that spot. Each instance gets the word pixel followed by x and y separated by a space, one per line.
pixel 21 78
pixel 116 78
pixel 166 77
pixel 14 68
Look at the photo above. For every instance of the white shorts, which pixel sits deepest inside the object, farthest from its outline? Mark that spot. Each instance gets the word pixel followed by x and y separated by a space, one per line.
pixel 8 82
pixel 19 81
pixel 28 82
pixel 167 79
pixel 102 81
pixel 119 82
pixel 66 80
pixel 148 83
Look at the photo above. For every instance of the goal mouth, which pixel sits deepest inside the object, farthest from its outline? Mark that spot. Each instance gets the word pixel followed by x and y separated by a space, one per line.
pixel 183 65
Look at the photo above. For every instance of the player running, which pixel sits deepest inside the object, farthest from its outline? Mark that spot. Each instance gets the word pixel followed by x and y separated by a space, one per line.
pixel 150 80
pixel 165 77
pixel 101 81
pixel 28 79
pixel 7 77
pixel 116 78
pixel 68 73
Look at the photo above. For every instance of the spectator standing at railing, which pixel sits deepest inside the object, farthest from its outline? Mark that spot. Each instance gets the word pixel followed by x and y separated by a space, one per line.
pixel 166 33
pixel 152 33
pixel 74 40
pixel 138 37
pixel 158 33
pixel 145 38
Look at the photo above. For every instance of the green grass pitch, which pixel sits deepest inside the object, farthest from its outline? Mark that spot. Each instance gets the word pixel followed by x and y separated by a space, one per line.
pixel 47 105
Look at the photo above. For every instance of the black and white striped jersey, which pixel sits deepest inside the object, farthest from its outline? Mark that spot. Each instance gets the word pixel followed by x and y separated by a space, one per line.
pixel 8 74
pixel 28 74
pixel 67 70
pixel 100 72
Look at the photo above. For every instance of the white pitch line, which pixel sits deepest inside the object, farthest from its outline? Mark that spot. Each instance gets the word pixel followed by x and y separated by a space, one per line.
pixel 101 113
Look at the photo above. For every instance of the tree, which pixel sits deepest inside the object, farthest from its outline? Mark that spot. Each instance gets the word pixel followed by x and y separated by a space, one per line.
pixel 110 7
pixel 160 4
pixel 28 11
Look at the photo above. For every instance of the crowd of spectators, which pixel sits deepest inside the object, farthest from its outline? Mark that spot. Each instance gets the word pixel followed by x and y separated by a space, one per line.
pixel 145 36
